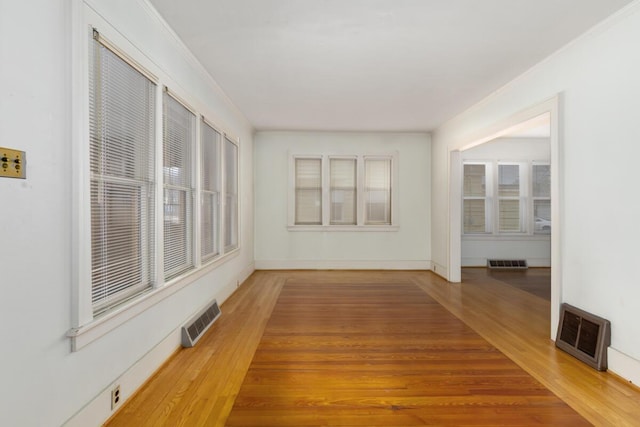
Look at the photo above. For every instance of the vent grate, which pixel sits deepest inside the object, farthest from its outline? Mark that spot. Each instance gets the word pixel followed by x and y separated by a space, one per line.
pixel 507 263
pixel 193 330
pixel 584 336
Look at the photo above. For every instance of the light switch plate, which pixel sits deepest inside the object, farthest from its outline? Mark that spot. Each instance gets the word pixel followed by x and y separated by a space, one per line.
pixel 12 163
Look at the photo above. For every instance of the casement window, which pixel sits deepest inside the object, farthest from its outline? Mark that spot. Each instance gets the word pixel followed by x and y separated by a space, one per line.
pixel 231 195
pixel 179 134
pixel 337 192
pixel 541 195
pixel 210 167
pixel 506 198
pixel 123 189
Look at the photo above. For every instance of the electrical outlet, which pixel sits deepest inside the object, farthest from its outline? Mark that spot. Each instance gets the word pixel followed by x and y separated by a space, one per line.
pixel 115 396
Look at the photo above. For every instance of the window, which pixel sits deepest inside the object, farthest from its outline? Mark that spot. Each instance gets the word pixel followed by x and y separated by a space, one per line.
pixel 541 194
pixel 209 191
pixel 339 192
pixel 474 204
pixel 231 195
pixel 121 145
pixel 179 132
pixel 506 198
pixel 342 175
pixel 377 191
pixel 308 191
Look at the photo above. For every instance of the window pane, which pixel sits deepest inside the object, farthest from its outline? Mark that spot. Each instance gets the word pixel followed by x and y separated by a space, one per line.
pixel 343 191
pixel 475 181
pixel 231 195
pixel 541 180
pixel 509 215
pixel 179 126
pixel 542 216
pixel 508 181
pixel 308 204
pixel 121 145
pixel 377 188
pixel 474 216
pixel 210 191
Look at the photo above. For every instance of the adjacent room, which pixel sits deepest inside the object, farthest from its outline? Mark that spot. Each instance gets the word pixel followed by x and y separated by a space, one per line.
pixel 306 213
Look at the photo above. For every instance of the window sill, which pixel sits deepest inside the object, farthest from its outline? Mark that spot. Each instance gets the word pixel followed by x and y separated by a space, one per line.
pixel 86 334
pixel 505 237
pixel 350 228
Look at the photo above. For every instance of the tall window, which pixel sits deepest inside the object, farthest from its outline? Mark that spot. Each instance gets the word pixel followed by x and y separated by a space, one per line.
pixel 475 198
pixel 179 131
pixel 231 195
pixel 121 145
pixel 308 191
pixel 541 193
pixel 377 191
pixel 209 191
pixel 509 218
pixel 342 175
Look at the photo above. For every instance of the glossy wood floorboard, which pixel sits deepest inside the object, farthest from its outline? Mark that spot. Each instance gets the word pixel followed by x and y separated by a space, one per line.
pixel 199 386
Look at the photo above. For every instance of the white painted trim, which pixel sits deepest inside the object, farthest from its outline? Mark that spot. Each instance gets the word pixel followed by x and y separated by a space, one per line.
pixel 341 265
pixel 624 366
pixel 440 270
pixel 356 228
pixel 482 262
pixel 505 237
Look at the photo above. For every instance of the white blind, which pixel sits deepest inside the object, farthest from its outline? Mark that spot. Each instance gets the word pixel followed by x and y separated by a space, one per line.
pixel 377 189
pixel 509 219
pixel 210 191
pixel 308 192
pixel 342 176
pixel 231 195
pixel 474 194
pixel 121 145
pixel 179 126
pixel 541 177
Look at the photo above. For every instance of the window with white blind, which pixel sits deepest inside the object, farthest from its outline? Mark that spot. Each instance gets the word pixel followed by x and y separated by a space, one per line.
pixel 179 133
pixel 342 192
pixel 122 159
pixel 474 205
pixel 509 217
pixel 541 195
pixel 308 189
pixel 342 174
pixel 377 191
pixel 231 195
pixel 210 169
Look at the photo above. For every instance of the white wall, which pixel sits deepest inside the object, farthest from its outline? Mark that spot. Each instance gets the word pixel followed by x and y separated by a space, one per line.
pixel 597 79
pixel 44 383
pixel 536 249
pixel 277 247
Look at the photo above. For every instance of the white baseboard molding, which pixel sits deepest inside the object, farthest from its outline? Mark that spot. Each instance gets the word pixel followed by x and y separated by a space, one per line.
pixel 624 366
pixel 482 262
pixel 440 270
pixel 98 410
pixel 341 265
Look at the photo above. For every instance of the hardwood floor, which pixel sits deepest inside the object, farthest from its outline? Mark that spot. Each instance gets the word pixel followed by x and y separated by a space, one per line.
pixel 235 364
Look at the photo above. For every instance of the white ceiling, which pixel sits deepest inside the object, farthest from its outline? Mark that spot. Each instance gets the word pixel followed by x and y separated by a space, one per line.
pixel 371 65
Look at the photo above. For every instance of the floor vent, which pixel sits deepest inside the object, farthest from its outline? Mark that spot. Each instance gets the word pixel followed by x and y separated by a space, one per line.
pixel 198 324
pixel 507 263
pixel 584 336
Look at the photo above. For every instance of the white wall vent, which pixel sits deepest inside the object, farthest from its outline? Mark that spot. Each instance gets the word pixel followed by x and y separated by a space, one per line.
pixel 584 336
pixel 199 323
pixel 507 263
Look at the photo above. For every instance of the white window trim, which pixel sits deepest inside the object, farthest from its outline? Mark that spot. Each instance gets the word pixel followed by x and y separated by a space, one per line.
pixel 86 327
pixel 326 190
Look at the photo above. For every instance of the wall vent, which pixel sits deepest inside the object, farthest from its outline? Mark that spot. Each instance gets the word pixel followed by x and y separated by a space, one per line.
pixel 584 336
pixel 511 264
pixel 199 323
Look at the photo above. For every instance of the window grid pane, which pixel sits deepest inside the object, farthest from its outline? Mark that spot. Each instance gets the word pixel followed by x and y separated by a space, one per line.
pixel 474 193
pixel 121 145
pixel 308 191
pixel 343 191
pixel 474 216
pixel 179 126
pixel 231 196
pixel 377 189
pixel 210 192
pixel 509 217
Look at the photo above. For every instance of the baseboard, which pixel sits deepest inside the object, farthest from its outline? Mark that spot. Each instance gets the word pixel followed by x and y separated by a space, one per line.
pixel 482 262
pixel 440 270
pixel 98 410
pixel 340 265
pixel 624 366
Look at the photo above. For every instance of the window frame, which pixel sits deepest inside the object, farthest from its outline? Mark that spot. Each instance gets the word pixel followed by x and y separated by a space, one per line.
pixel 88 326
pixel 360 225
